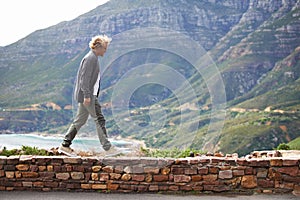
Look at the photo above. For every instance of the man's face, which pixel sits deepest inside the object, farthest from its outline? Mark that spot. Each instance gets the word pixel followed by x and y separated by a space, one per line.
pixel 100 51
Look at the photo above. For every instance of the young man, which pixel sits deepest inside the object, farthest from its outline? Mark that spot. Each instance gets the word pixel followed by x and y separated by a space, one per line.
pixel 86 94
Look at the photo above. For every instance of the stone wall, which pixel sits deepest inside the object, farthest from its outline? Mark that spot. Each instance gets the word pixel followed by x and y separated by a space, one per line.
pixel 199 174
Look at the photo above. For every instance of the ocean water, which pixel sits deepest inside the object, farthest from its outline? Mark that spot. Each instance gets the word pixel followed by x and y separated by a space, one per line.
pixel 11 141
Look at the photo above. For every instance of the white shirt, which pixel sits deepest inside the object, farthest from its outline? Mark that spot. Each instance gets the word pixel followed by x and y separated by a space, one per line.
pixel 96 86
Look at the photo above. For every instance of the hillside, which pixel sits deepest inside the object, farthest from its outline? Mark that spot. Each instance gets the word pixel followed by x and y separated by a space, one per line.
pixel 253 44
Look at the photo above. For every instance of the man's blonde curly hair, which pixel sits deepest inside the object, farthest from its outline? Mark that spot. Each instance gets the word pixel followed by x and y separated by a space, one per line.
pixel 99 41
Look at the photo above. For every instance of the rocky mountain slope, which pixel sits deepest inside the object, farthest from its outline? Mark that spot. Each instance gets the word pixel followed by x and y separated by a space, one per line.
pixel 254 44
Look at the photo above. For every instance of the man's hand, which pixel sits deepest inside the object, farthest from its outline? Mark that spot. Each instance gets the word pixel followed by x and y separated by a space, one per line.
pixel 86 101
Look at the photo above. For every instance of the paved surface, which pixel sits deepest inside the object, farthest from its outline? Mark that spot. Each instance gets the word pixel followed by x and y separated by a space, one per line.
pixel 17 195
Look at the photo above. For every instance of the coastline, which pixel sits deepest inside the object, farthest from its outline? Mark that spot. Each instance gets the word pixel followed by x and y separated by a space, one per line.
pixel 129 139
pixel 52 141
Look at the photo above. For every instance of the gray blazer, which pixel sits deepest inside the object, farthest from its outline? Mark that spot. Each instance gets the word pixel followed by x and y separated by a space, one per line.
pixel 87 76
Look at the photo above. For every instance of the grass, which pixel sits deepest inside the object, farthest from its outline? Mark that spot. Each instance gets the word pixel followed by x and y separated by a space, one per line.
pixel 156 153
pixel 170 153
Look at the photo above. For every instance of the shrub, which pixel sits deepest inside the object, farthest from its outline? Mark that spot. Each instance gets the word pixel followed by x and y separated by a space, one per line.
pixel 283 146
pixel 25 150
pixel 5 152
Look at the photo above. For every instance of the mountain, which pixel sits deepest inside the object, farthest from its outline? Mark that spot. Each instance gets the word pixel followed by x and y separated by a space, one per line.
pixel 253 43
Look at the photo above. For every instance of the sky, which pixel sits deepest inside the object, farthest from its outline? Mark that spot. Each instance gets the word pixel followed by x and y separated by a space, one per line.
pixel 19 18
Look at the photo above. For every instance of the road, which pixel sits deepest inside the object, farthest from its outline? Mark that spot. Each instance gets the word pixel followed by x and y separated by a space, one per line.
pixel 25 195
